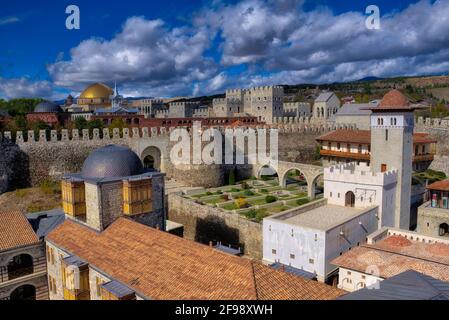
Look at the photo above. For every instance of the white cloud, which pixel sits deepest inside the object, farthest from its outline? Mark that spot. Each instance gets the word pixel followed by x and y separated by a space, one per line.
pixel 25 88
pixel 8 20
pixel 277 40
pixel 145 54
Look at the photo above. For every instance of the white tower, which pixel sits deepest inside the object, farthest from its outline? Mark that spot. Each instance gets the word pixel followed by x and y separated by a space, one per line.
pixel 392 125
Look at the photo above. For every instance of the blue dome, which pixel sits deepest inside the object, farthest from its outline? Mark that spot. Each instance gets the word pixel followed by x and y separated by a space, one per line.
pixel 47 106
pixel 112 161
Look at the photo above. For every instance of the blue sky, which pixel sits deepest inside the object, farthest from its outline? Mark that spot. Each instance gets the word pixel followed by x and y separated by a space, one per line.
pixel 170 48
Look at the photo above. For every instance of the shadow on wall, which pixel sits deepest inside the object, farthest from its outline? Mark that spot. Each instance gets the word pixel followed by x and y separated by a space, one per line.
pixel 14 167
pixel 215 229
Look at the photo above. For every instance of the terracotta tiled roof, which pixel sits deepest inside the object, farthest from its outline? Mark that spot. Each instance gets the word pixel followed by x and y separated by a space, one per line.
pixel 159 265
pixel 15 231
pixel 394 99
pixel 392 257
pixel 439 185
pixel 364 137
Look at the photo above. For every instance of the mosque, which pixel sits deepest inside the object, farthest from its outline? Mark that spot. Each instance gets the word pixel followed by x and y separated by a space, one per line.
pixel 99 96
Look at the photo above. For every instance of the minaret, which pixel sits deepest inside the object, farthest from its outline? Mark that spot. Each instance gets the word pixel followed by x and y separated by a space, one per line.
pixel 392 123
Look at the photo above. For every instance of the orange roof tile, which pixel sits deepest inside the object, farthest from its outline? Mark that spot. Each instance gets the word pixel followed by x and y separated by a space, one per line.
pixel 364 137
pixel 394 99
pixel 392 256
pixel 15 231
pixel 159 265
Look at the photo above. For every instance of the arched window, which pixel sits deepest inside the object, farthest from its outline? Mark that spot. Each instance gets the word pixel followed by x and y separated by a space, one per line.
pixel 395 121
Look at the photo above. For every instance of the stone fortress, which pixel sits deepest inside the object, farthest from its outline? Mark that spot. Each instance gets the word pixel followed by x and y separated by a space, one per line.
pixel 358 199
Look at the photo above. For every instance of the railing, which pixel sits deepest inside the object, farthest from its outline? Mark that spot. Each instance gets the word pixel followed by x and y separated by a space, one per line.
pixel 342 154
pixel 423 157
pixel 367 156
pixel 14 274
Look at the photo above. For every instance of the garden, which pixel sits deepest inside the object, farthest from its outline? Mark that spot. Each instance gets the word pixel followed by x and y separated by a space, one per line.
pixel 255 198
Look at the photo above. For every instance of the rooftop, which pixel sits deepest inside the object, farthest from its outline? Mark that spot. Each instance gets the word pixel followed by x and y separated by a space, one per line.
pixel 324 97
pixel 396 254
pixel 355 109
pixel 45 221
pixel 15 231
pixel 364 136
pixel 324 217
pixel 439 185
pixel 409 285
pixel 159 265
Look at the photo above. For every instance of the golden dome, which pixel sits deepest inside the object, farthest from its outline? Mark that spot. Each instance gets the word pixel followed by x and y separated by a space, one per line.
pixel 97 91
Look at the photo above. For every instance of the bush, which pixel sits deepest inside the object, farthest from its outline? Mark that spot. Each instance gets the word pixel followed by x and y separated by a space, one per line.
pixel 20 193
pixel 241 203
pixel 251 214
pixel 208 193
pixel 245 186
pixel 50 187
pixel 219 192
pixel 248 193
pixel 253 178
pixel 300 202
pixel 270 199
pixel 235 190
pixel 264 191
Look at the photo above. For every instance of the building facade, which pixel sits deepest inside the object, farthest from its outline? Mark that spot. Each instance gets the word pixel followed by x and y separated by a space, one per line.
pixel 433 215
pixel 344 146
pixel 326 105
pixel 23 273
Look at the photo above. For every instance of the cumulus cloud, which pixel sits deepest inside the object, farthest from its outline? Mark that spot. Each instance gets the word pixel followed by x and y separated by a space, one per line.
pixel 277 41
pixel 319 46
pixel 145 53
pixel 25 88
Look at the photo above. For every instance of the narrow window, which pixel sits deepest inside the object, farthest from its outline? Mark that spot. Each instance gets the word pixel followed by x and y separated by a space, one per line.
pixel 386 135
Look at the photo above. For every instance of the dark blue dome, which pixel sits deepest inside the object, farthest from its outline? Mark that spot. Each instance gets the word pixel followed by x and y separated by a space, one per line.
pixel 47 106
pixel 112 161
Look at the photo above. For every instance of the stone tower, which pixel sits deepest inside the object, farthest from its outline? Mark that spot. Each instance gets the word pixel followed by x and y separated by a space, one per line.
pixel 392 123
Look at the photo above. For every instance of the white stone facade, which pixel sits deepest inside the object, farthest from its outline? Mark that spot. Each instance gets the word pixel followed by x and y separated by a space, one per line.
pixel 369 189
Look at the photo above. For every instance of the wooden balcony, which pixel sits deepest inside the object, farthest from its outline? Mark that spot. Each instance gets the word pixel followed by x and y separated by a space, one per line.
pixel 423 157
pixel 367 156
pixel 346 155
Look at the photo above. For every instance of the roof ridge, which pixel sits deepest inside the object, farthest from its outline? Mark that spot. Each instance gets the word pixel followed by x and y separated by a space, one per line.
pixel 253 274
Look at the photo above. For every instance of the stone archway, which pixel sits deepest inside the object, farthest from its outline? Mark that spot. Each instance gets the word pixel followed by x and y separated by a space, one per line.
pixel 151 158
pixel 19 266
pixel 25 292
pixel 267 171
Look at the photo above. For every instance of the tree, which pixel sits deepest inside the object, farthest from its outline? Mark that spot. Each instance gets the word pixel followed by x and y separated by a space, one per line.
pixel 80 123
pixel 117 123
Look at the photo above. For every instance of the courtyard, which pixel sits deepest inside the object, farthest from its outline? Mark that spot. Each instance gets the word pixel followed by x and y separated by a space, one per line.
pixel 255 198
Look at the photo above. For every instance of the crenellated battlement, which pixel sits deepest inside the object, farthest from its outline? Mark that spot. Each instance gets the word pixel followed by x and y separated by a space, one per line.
pixel 353 173
pixel 432 123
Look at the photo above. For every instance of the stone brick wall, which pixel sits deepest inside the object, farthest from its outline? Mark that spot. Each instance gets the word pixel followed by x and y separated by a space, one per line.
pixel 204 224
pixel 30 162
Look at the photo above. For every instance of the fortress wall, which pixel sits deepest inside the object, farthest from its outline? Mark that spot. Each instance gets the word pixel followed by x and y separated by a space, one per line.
pixel 204 224
pixel 27 160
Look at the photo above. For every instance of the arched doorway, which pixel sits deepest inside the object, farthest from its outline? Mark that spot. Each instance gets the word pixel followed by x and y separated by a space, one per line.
pixel 151 158
pixel 148 162
pixel 26 292
pixel 20 266
pixel 444 230
pixel 349 199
